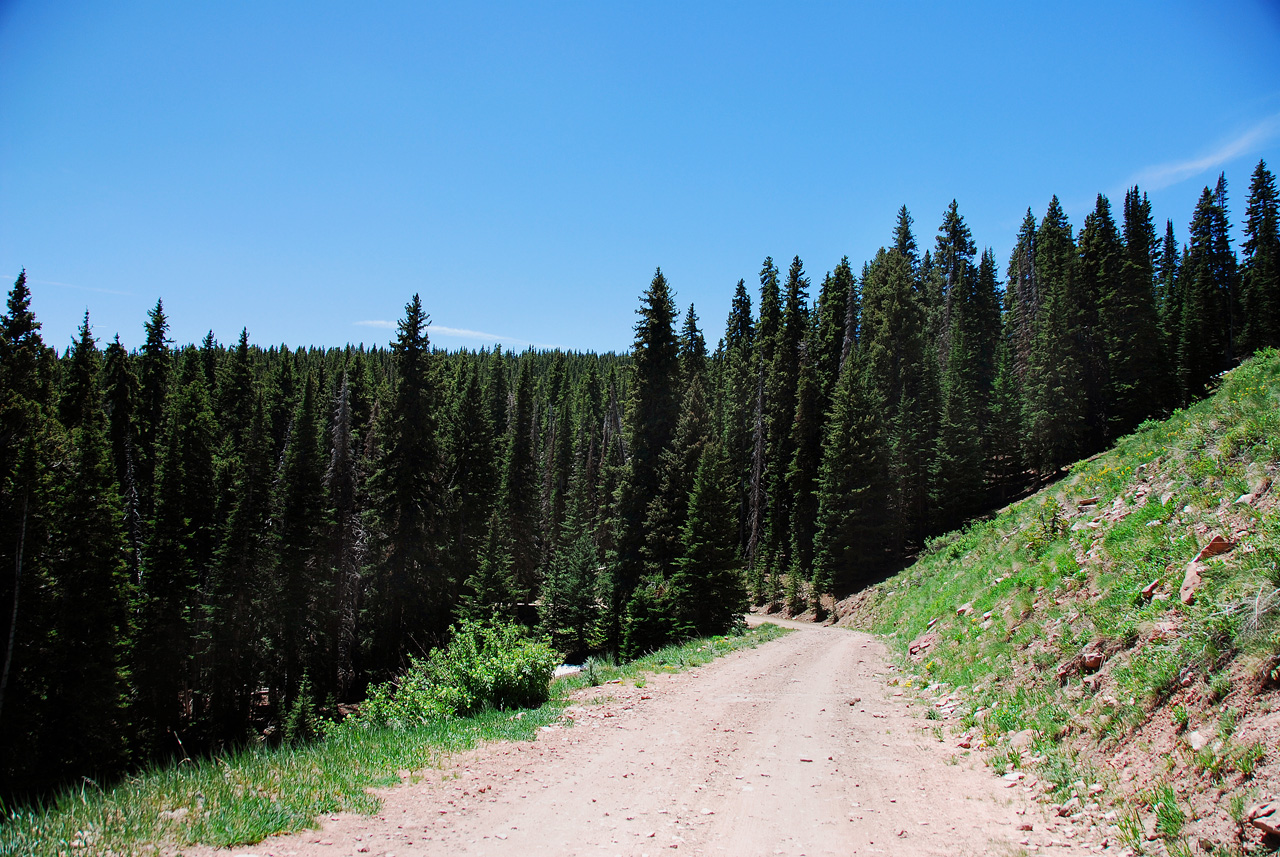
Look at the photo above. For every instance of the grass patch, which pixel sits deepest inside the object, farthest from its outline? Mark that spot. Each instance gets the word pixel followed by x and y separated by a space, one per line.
pixel 245 796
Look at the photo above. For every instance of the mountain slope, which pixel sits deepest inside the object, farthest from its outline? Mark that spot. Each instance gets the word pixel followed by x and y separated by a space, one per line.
pixel 1117 635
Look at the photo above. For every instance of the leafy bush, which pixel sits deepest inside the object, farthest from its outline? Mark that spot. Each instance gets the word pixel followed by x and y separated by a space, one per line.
pixel 484 666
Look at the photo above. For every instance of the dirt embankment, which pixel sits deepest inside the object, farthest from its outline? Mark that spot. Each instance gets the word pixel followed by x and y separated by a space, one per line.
pixel 796 747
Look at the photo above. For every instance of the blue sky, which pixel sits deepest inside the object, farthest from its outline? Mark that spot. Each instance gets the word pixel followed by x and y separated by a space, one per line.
pixel 302 169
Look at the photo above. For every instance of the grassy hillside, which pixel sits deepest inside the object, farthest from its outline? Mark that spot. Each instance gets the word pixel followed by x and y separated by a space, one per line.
pixel 1053 637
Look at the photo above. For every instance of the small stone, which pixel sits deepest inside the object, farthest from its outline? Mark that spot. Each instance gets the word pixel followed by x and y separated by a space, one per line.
pixel 1196 741
pixel 1022 740
pixel 1150 589
pixel 1266 817
pixel 1217 545
pixel 1191 581
pixel 1026 826
pixel 965 609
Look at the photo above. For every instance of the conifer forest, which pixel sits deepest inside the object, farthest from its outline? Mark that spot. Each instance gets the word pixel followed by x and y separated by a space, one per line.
pixel 194 538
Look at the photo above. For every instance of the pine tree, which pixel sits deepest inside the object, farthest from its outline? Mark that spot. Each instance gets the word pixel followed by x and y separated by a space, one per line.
pixel 1054 403
pixel 802 475
pixel 519 490
pixel 1169 315
pixel 1207 284
pixel 767 331
pixel 1260 275
pixel 900 368
pixel 853 537
pixel 473 472
pixel 1130 327
pixel 407 594
pixel 120 390
pixel 177 555
pixel 1103 310
pixel 1022 298
pixel 784 377
pixel 707 586
pixel 737 404
pixel 154 368
pixel 347 546
pixel 89 578
pixel 302 591
pixel 650 425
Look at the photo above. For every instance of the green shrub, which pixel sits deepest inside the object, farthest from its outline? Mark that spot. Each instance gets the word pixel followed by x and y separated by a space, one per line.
pixel 484 666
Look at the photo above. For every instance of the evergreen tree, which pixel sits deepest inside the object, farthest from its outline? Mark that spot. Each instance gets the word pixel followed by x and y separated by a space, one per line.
pixel 120 389
pixel 650 425
pixel 1054 397
pixel 784 377
pixel 802 475
pixel 519 491
pixel 1130 327
pixel 88 575
pixel 302 591
pixel 1169 314
pixel 1207 284
pixel 767 331
pixel 1103 310
pixel 900 367
pixel 737 404
pixel 708 593
pixel 853 536
pixel 346 539
pixel 1022 298
pixel 176 557
pixel 406 604
pixel 154 367
pixel 1260 277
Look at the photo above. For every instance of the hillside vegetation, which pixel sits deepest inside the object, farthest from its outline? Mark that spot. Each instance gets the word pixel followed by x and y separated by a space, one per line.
pixel 1057 636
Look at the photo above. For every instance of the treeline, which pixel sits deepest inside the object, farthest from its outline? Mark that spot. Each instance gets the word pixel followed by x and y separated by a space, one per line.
pixel 202 538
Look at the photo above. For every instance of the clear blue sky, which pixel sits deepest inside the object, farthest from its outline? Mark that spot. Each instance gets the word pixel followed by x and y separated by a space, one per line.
pixel 302 169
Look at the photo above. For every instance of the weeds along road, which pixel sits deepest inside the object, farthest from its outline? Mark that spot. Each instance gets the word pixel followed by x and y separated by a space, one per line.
pixel 795 747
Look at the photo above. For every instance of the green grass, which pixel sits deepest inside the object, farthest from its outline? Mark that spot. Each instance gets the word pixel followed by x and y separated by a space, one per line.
pixel 245 796
pixel 1056 576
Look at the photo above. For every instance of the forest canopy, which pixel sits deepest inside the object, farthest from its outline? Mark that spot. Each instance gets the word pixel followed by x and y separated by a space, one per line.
pixel 195 539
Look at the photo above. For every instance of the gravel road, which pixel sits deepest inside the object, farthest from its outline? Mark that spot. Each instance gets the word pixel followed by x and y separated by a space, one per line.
pixel 798 747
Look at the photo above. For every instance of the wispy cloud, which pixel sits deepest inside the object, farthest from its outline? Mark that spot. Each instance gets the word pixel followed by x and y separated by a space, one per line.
pixel 1165 175
pixel 81 288
pixel 463 333
pixel 444 332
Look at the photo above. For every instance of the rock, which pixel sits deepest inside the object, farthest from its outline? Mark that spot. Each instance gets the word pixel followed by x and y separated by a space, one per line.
pixel 1150 589
pixel 965 609
pixel 1165 498
pixel 965 742
pixel 1266 817
pixel 1091 660
pixel 1191 581
pixel 1260 487
pixel 922 644
pixel 1217 545
pixel 1022 740
pixel 1096 789
pixel 1026 826
pixel 1247 499
pixel 932 622
pixel 1197 742
pixel 1087 501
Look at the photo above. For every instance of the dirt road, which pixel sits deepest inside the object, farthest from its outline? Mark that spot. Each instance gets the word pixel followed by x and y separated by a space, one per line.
pixel 798 747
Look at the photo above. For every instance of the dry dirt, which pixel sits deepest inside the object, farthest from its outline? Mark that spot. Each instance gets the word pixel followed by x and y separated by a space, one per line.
pixel 798 747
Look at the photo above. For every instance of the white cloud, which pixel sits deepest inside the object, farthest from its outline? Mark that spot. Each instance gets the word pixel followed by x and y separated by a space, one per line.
pixel 81 288
pixel 463 333
pixel 1165 175
pixel 443 332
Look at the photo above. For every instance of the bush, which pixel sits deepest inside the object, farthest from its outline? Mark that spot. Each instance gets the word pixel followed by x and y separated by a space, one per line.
pixel 484 666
